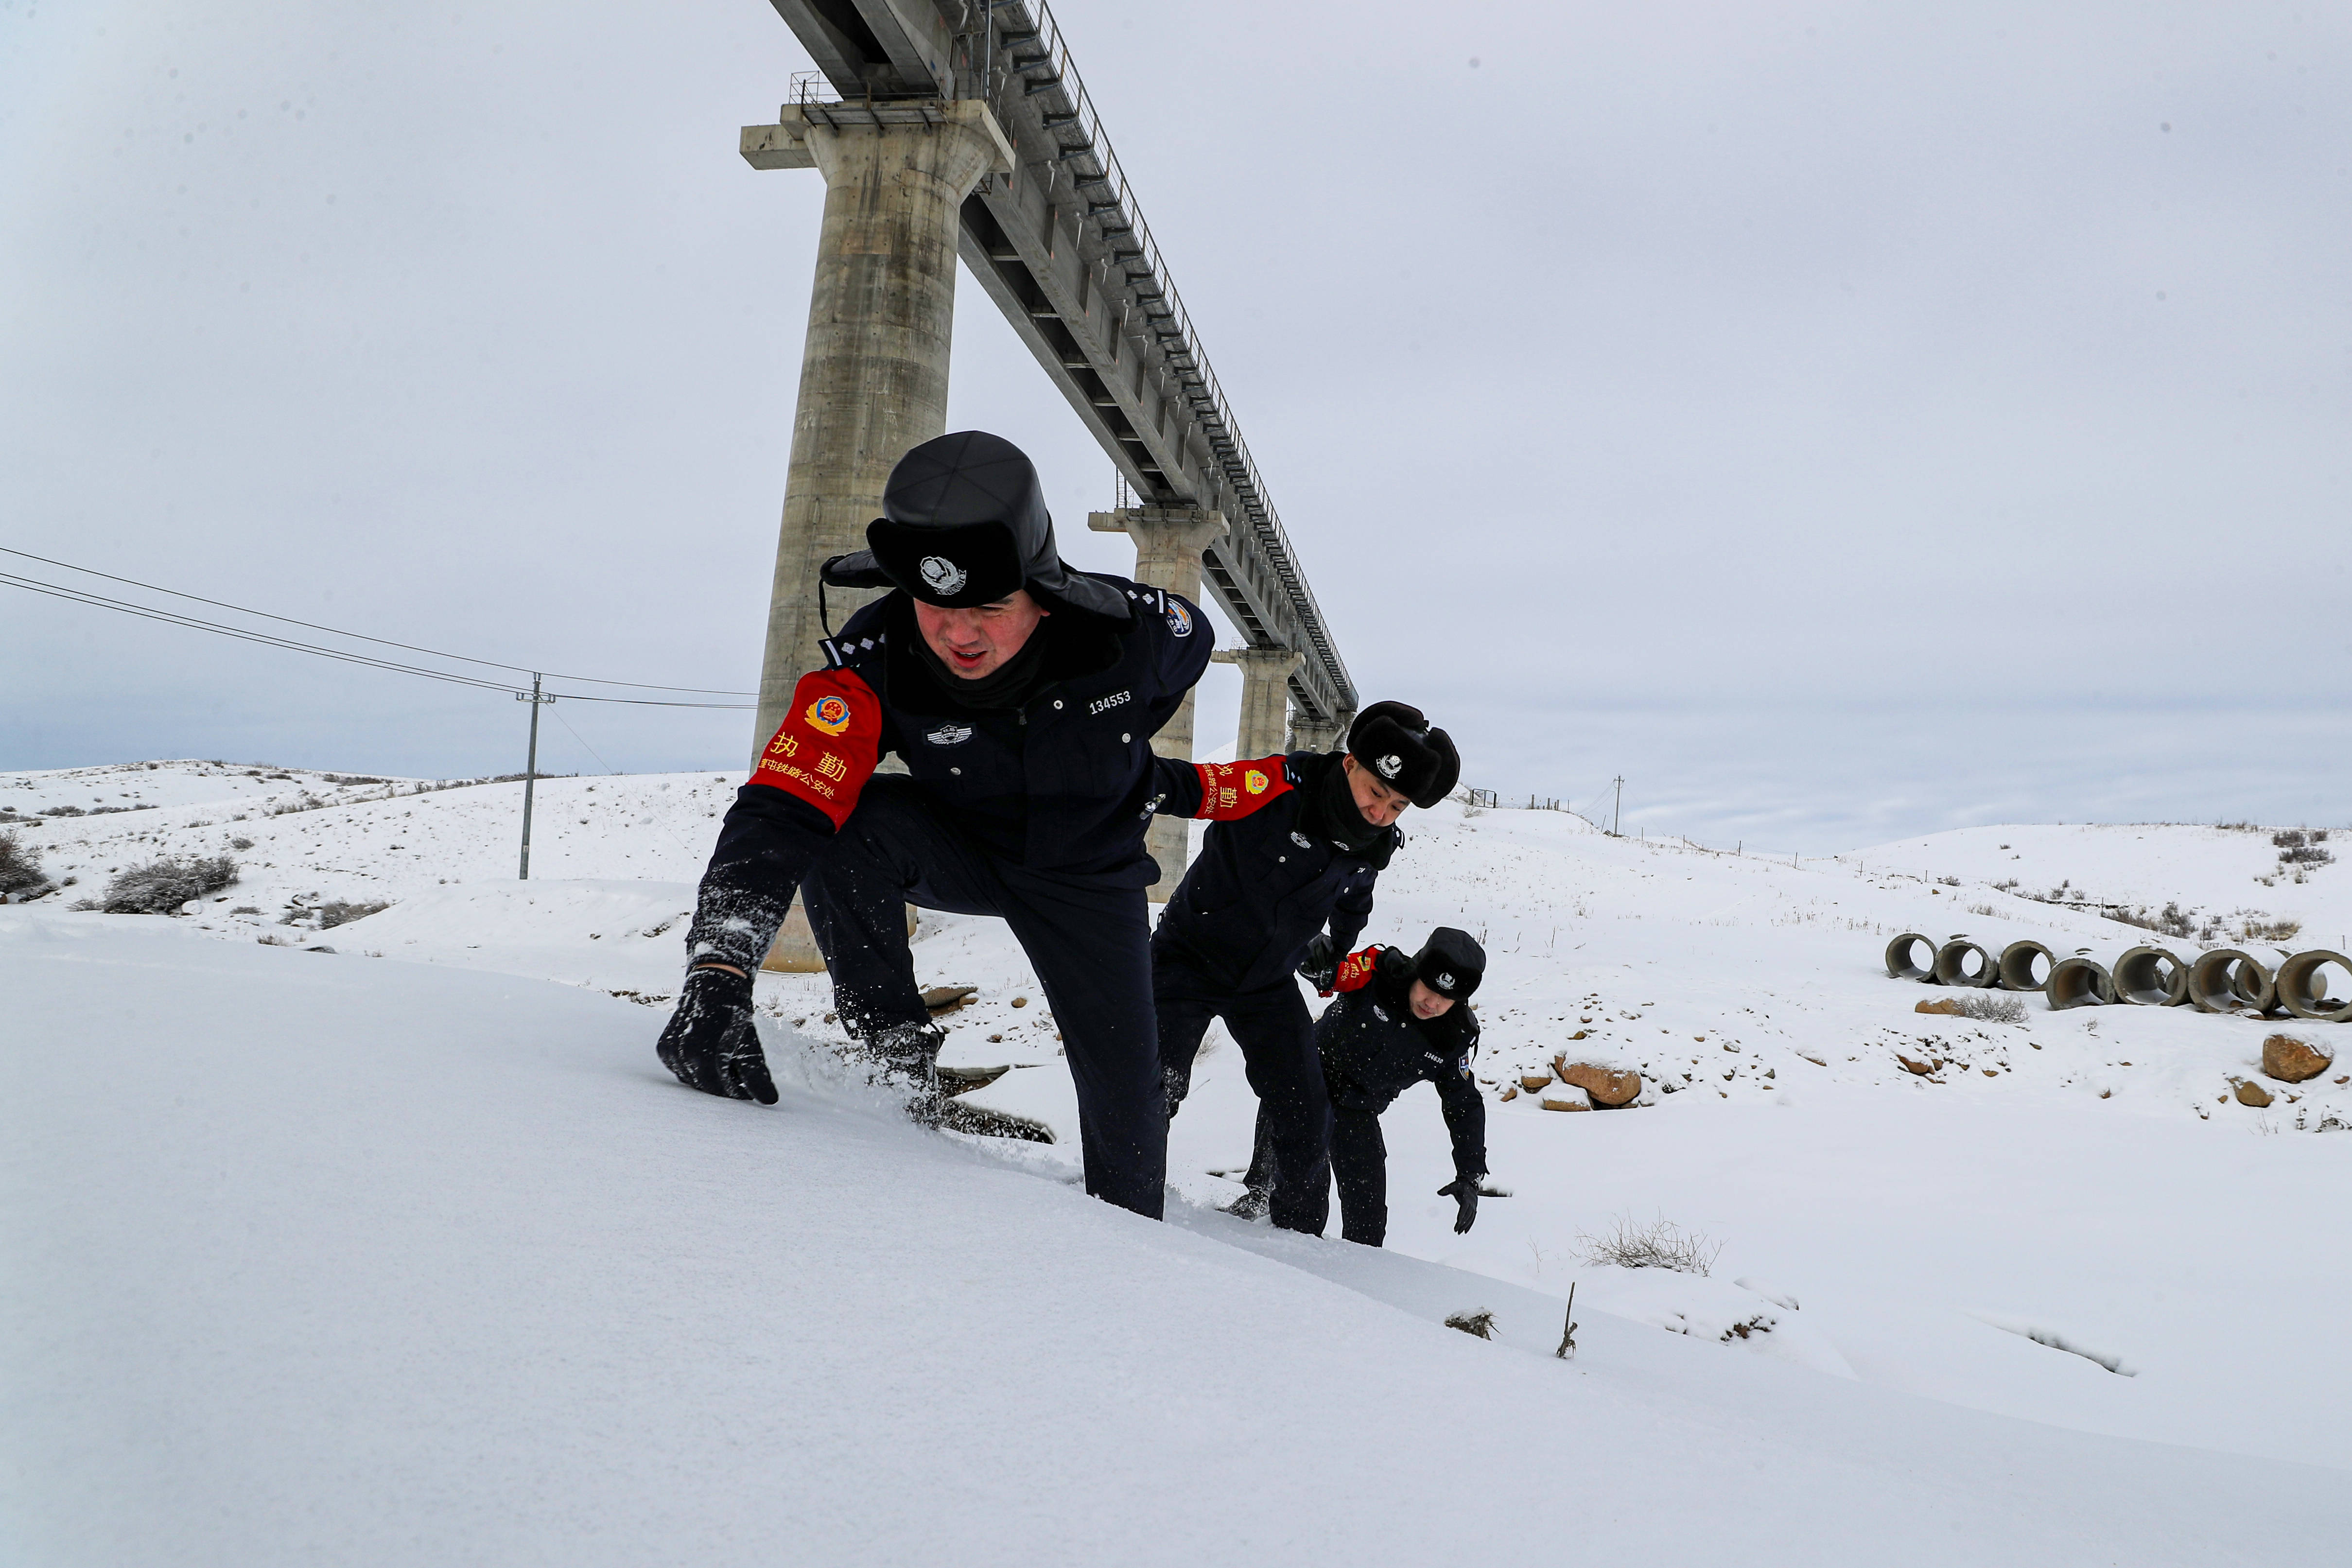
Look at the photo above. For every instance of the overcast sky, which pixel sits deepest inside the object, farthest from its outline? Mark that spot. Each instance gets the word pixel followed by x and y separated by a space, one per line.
pixel 1844 422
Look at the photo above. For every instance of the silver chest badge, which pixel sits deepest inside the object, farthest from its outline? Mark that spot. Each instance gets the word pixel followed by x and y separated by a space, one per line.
pixel 1302 841
pixel 948 735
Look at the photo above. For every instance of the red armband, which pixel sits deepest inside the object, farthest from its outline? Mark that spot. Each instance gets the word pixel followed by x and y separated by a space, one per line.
pixel 1356 969
pixel 825 748
pixel 1233 789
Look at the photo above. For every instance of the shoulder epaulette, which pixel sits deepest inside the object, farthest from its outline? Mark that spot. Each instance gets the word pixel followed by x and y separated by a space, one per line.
pixel 838 652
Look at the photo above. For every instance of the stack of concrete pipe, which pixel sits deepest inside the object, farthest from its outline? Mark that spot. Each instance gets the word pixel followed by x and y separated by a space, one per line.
pixel 2226 980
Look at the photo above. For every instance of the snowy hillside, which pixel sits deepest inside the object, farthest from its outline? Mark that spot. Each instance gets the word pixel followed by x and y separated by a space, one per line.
pixel 379 1231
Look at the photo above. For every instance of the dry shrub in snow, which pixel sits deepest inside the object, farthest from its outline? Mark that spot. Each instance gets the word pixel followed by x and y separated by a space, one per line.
pixel 162 886
pixel 340 913
pixel 2262 927
pixel 1661 1243
pixel 1993 1008
pixel 20 869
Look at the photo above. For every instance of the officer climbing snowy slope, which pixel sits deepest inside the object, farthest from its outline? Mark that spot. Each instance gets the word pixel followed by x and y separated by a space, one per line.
pixel 1252 908
pixel 1400 1019
pixel 1023 695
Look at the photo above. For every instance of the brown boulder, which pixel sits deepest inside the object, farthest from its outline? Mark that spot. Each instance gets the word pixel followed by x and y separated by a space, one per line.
pixel 1922 1068
pixel 1561 1101
pixel 1532 1082
pixel 1605 1086
pixel 2253 1094
pixel 946 998
pixel 2290 1060
pixel 1949 1007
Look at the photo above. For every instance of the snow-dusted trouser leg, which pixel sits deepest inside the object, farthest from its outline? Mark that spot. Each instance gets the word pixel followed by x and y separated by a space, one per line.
pixel 1359 1168
pixel 1087 940
pixel 1278 1045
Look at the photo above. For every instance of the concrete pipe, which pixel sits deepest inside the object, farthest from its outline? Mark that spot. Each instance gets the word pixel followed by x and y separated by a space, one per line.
pixel 2302 986
pixel 2017 966
pixel 2226 980
pixel 1899 960
pixel 1952 964
pixel 2255 985
pixel 2079 983
pixel 2151 977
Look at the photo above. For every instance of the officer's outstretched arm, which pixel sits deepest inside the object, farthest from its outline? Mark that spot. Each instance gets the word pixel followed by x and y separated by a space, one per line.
pixel 1230 791
pixel 1356 970
pixel 805 787
pixel 1352 910
pixel 1465 1107
pixel 1465 1121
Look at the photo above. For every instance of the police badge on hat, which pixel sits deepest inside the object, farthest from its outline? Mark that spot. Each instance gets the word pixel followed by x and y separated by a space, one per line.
pixel 1390 765
pixel 1446 981
pixel 943 576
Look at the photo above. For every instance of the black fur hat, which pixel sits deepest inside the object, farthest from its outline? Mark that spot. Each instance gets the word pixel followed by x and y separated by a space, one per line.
pixel 1404 753
pixel 1451 962
pixel 964 523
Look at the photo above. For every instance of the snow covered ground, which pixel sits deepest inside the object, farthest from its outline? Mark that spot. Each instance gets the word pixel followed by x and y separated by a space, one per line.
pixel 409 1251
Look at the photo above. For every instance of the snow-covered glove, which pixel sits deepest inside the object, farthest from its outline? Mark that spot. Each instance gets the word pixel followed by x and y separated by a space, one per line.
pixel 1320 968
pixel 710 1043
pixel 1464 1190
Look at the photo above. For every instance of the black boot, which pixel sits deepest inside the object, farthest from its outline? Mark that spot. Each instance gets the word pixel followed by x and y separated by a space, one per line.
pixel 1257 1186
pixel 907 1055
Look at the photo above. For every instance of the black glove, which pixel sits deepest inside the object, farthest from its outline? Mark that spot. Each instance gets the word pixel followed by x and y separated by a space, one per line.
pixel 1320 967
pixel 710 1043
pixel 1464 1190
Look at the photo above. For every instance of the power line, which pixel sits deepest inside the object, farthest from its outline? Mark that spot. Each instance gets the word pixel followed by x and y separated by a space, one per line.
pixel 268 639
pixel 362 637
pixel 169 617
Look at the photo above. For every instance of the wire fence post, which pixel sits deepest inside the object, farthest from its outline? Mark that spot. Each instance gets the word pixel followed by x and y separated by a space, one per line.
pixel 530 770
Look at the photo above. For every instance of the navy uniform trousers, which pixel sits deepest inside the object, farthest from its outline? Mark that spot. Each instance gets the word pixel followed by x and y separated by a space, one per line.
pixel 1090 942
pixel 1276 1038
pixel 1352 1152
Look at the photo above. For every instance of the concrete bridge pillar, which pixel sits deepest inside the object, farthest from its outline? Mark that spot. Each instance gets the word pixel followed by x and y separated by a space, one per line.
pixel 874 373
pixel 1308 735
pixel 1265 697
pixel 874 370
pixel 1168 544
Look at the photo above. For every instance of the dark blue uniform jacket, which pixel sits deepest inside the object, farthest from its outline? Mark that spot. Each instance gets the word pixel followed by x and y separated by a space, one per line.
pixel 1266 884
pixel 1373 1050
pixel 1066 784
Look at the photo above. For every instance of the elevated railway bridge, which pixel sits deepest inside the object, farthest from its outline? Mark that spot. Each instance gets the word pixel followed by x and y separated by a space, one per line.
pixel 960 128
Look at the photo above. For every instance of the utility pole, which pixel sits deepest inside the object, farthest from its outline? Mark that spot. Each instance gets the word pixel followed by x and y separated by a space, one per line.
pixel 530 770
pixel 1617 811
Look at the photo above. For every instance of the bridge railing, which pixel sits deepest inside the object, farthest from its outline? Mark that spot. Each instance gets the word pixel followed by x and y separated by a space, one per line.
pixel 1028 54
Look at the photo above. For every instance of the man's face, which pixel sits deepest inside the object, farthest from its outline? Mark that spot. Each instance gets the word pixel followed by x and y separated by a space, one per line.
pixel 978 641
pixel 1428 1003
pixel 1380 805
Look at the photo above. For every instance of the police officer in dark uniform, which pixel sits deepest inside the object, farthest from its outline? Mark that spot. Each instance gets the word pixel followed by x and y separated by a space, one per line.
pixel 1022 697
pixel 1252 908
pixel 1399 1020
